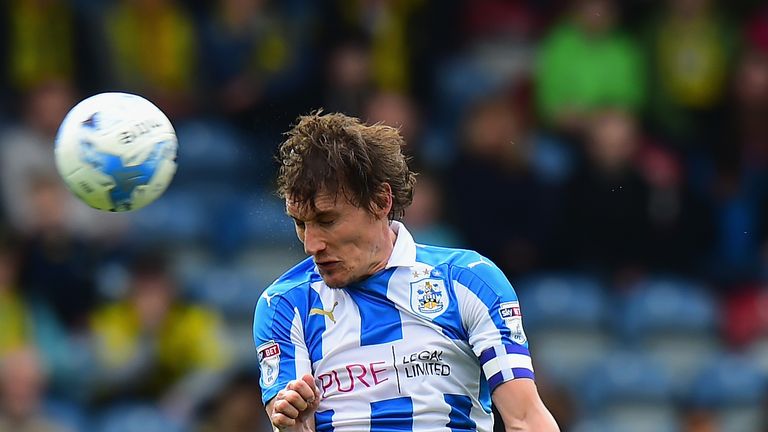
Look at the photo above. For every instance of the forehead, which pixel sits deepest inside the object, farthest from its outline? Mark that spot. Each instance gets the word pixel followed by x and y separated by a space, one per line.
pixel 324 203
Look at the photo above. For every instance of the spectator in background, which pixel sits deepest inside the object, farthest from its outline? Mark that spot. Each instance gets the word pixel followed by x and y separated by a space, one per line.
pixel 26 151
pixel 699 420
pixel 399 111
pixel 399 37
pixel 744 316
pixel 152 343
pixel 41 42
pixel 238 47
pixel 250 53
pixel 751 96
pixel 53 223
pixel 681 219
pixel 27 155
pixel 498 42
pixel 26 320
pixel 151 45
pixel 231 409
pixel 349 80
pixel 386 25
pixel 14 315
pixel 691 48
pixel 22 387
pixel 752 91
pixel 606 224
pixel 585 63
pixel 57 276
pixel 737 188
pixel 519 210
pixel 424 216
pixel 501 37
pixel 57 266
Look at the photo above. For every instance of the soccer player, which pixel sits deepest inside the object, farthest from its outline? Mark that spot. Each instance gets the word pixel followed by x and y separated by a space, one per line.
pixel 374 332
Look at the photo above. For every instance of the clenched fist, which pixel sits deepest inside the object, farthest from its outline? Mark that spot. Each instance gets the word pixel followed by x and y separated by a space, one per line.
pixel 293 409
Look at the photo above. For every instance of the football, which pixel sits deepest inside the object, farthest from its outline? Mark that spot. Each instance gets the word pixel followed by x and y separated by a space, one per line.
pixel 116 151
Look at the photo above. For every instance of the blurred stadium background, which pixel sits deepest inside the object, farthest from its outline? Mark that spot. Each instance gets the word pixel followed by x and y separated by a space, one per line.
pixel 611 157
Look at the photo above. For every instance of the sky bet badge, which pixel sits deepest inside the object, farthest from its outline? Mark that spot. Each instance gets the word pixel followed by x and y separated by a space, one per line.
pixel 269 362
pixel 429 298
pixel 513 318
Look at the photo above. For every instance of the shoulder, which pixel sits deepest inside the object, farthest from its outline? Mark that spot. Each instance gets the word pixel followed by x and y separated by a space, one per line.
pixel 456 259
pixel 467 267
pixel 298 276
pixel 436 255
pixel 292 285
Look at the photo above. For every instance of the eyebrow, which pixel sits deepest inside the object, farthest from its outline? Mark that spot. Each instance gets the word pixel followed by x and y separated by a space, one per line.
pixel 317 215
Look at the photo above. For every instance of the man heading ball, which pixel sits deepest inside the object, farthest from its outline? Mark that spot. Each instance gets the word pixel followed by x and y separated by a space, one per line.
pixel 374 332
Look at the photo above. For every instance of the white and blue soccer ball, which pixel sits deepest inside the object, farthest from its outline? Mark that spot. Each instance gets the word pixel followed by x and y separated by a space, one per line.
pixel 116 151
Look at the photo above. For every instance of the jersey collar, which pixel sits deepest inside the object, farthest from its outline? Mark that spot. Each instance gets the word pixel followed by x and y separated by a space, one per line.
pixel 404 251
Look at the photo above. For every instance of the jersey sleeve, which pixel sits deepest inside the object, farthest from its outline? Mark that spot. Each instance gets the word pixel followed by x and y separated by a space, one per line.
pixel 279 338
pixel 491 314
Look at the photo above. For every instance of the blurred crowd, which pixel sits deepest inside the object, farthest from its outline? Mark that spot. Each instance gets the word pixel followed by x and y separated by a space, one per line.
pixel 611 157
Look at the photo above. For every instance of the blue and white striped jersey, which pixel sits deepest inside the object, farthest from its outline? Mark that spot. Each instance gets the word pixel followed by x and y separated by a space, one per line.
pixel 418 346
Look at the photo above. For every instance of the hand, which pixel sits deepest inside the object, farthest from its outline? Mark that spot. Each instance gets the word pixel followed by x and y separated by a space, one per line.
pixel 293 409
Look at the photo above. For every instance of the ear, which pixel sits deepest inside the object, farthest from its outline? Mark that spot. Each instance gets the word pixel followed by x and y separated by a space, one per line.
pixel 385 194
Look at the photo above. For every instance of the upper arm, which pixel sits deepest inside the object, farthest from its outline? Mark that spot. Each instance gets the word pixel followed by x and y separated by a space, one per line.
pixel 495 325
pixel 521 407
pixel 492 318
pixel 279 339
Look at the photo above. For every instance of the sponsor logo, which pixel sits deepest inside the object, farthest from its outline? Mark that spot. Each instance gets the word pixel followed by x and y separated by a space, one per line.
pixel 344 380
pixel 365 375
pixel 269 362
pixel 328 314
pixel 509 310
pixel 476 263
pixel 268 298
pixel 429 297
pixel 427 362
pixel 513 318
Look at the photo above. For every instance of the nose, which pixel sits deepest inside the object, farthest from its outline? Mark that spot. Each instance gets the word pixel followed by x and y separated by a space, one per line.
pixel 313 243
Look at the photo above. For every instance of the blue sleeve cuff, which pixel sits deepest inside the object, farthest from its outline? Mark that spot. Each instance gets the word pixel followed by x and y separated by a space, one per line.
pixel 504 363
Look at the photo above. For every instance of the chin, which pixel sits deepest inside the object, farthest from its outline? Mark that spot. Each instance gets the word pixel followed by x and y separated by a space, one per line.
pixel 333 283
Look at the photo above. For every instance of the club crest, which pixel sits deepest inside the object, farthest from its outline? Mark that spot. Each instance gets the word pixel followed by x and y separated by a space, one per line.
pixel 429 297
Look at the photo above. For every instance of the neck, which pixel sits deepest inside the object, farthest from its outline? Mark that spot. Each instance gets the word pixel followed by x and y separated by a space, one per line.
pixel 383 250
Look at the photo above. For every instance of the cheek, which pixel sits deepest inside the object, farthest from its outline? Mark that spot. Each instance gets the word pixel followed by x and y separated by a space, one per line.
pixel 350 249
pixel 365 249
pixel 353 241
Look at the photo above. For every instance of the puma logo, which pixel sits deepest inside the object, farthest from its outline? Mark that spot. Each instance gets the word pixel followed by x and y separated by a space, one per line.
pixel 329 314
pixel 482 261
pixel 268 298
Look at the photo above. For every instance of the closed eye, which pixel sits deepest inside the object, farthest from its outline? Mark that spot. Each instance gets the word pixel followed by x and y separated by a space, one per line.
pixel 327 223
